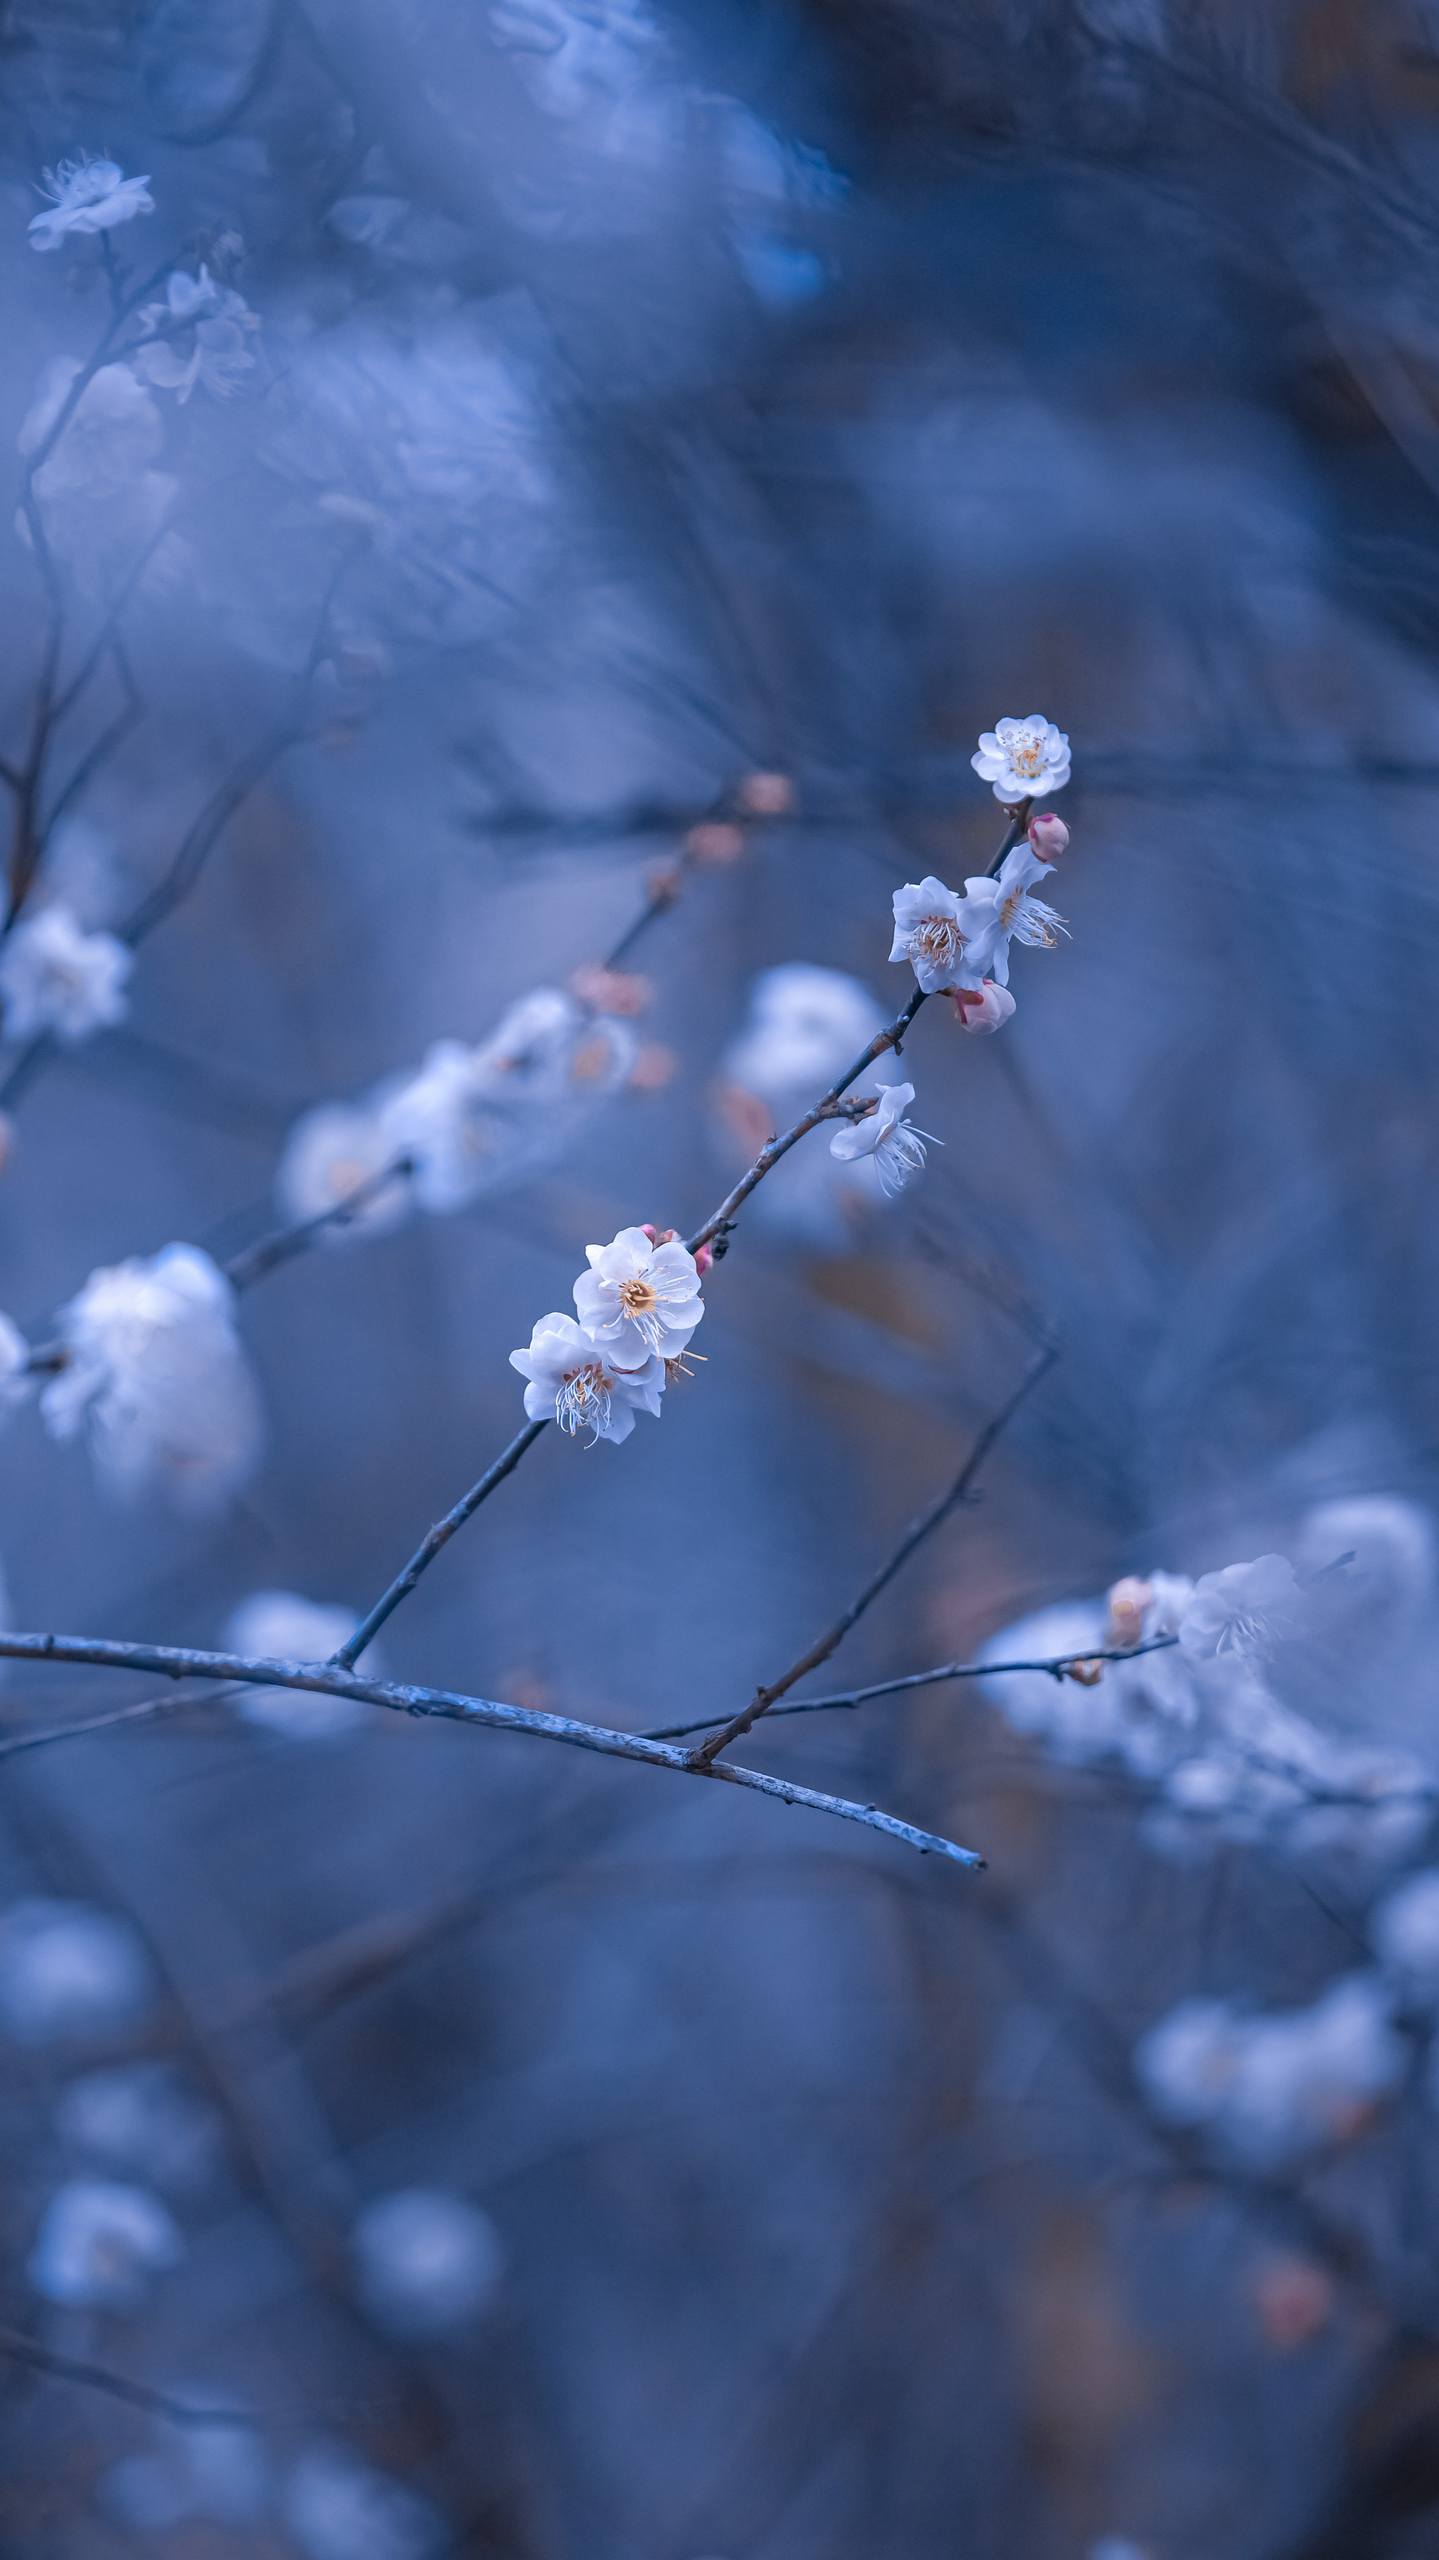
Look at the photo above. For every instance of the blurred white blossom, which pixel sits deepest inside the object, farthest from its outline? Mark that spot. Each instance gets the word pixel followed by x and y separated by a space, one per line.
pixel 1242 1608
pixel 87 195
pixel 332 1152
pixel 427 2262
pixel 218 2472
pixel 1267 2090
pixel 101 2244
pixel 280 1626
pixel 55 978
pixel 68 1969
pixel 142 2117
pixel 102 499
pixel 1405 1932
pixel 895 1148
pixel 336 2507
pixel 156 1373
pixel 201 333
pixel 1023 759
pixel 574 1383
pixel 639 1297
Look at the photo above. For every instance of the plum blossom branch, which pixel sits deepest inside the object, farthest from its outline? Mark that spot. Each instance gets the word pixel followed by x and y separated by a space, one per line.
pixel 921 1528
pixel 713 1234
pixel 21 2349
pixel 329 1679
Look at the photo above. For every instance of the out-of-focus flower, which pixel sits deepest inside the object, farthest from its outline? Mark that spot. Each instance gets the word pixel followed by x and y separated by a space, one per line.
pixel 1023 759
pixel 617 991
pixel 983 1009
pixel 87 195
pixel 1405 1932
pixel 67 1969
pixel 335 2507
pixel 930 933
pixel 54 978
pixel 804 1029
pixel 572 1382
pixel 1268 2090
pixel 156 1371
pixel 427 2262
pixel 439 1119
pixel 100 2245
pixel 333 1152
pixel 714 843
pixel 766 795
pixel 1241 1609
pixel 280 1626
pixel 1293 2300
pixel 1048 835
pixel 897 1149
pixel 102 500
pixel 1000 911
pixel 1129 1599
pixel 14 1360
pixel 639 1297
pixel 201 333
pixel 217 2471
pixel 142 2117
pixel 653 1069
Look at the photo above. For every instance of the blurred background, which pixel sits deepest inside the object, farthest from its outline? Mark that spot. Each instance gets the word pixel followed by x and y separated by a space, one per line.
pixel 607 422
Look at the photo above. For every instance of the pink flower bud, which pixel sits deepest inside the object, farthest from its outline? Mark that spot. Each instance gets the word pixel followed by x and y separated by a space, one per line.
pixel 982 1009
pixel 715 841
pixel 766 795
pixel 1048 835
pixel 703 1259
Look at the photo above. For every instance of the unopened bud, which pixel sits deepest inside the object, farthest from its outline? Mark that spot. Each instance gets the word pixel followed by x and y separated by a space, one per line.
pixel 982 1009
pixel 1049 836
pixel 715 842
pixel 1088 1674
pixel 766 795
pixel 1128 1602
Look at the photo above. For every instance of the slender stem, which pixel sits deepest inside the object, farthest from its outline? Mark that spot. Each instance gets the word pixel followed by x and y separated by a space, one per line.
pixel 915 1535
pixel 436 1538
pixel 1056 1664
pixel 327 1679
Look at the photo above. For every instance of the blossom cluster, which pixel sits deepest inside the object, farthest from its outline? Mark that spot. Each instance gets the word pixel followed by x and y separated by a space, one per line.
pixel 637 1307
pixel 466 1121
pixel 959 945
pixel 1207 1706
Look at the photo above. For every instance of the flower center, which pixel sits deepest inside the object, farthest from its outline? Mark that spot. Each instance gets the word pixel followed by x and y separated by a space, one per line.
pixel 583 1402
pixel 1026 754
pixel 637 1297
pixel 939 939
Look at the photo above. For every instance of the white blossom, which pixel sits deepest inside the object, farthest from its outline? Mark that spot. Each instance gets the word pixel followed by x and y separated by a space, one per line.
pixel 639 1297
pixel 280 1626
pixel 1023 759
pixel 1270 2089
pixel 87 195
pixel 998 911
pixel 102 498
pixel 886 1136
pixel 217 2471
pixel 55 978
pixel 101 2244
pixel 332 1152
pixel 155 1370
pixel 576 1384
pixel 335 2507
pixel 67 1969
pixel 142 2117
pixel 930 933
pixel 207 328
pixel 1405 1932
pixel 805 1026
pixel 427 2262
pixel 439 1119
pixel 1242 1608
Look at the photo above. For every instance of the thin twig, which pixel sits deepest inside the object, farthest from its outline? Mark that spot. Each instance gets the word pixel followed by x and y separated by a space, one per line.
pixel 1056 1665
pixel 915 1535
pixel 174 1662
pixel 99 2377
